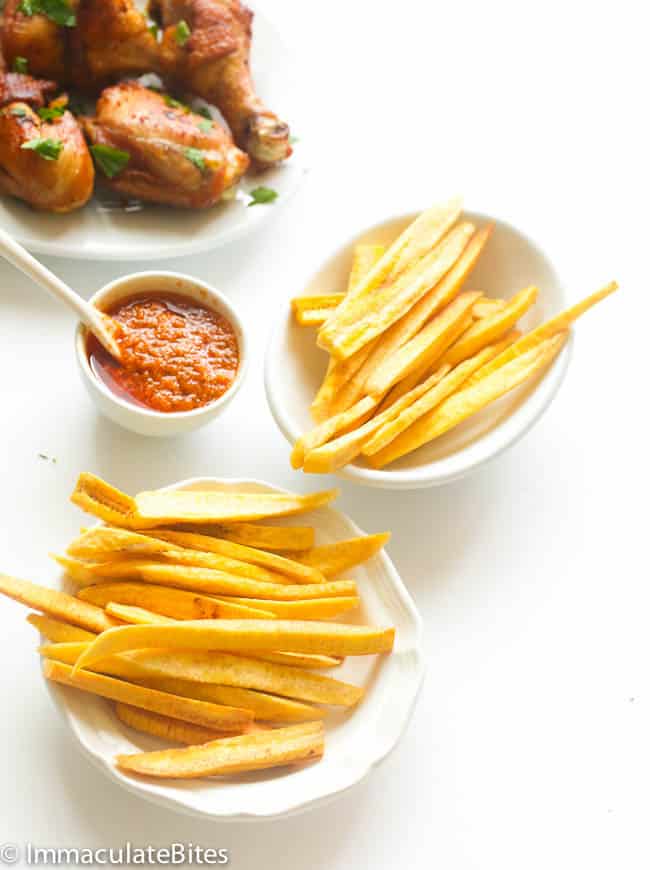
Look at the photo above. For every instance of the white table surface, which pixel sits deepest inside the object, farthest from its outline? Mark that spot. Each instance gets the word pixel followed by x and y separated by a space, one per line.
pixel 529 746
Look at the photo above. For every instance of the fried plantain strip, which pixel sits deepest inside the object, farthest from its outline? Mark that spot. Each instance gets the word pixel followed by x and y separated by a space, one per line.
pixel 57 631
pixel 96 497
pixel 334 559
pixel 259 537
pixel 199 712
pixel 136 615
pixel 60 605
pixel 164 726
pixel 328 638
pixel 316 608
pixel 275 748
pixel 339 423
pixel 461 405
pixel 314 310
pixel 491 329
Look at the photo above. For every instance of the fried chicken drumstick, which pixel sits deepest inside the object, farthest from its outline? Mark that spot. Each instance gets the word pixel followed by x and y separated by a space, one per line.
pixel 170 154
pixel 205 50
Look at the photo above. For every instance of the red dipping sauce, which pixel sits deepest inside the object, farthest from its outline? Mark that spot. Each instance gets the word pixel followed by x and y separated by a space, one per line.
pixel 177 354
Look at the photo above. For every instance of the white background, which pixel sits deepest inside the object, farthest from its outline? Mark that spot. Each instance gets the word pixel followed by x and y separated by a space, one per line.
pixel 529 747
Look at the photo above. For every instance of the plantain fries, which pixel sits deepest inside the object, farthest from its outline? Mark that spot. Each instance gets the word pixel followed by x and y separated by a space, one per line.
pixel 167 601
pixel 165 507
pixel 335 639
pixel 275 748
pixel 490 329
pixel 461 405
pixel 406 251
pixel 390 302
pixel 264 706
pixel 164 726
pixel 427 346
pixel 136 615
pixel 312 662
pixel 339 423
pixel 59 632
pixel 57 604
pixel 342 450
pixel 314 310
pixel 162 507
pixel 547 330
pixel 334 559
pixel 317 608
pixel 448 385
pixel 486 307
pixel 199 712
pixel 285 538
pixel 410 324
pixel 219 668
pixel 277 564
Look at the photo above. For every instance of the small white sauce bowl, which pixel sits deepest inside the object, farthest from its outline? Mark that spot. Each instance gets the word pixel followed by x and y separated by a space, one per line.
pixel 295 365
pixel 144 421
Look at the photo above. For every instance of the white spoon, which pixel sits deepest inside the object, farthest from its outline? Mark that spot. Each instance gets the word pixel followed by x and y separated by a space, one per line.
pixel 98 323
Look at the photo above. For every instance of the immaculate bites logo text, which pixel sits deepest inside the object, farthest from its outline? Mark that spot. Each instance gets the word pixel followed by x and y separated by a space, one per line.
pixel 31 855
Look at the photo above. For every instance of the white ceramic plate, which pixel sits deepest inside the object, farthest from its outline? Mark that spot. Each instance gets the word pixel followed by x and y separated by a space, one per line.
pixel 295 365
pixel 356 741
pixel 102 232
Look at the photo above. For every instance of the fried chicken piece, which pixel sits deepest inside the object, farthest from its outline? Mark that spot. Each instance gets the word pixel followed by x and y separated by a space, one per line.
pixel 44 163
pixel 174 157
pixel 17 87
pixel 37 38
pixel 111 40
pixel 205 49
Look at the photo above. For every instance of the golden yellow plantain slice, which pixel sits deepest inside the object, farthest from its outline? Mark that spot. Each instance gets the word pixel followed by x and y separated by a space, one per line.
pixel 259 537
pixel 327 638
pixel 316 608
pixel 314 310
pixel 391 302
pixel 490 329
pixel 339 423
pixel 96 497
pixel 59 632
pixel 409 249
pixel 199 712
pixel 169 602
pixel 547 330
pixel 412 322
pixel 334 559
pixel 486 307
pixel 275 748
pixel 136 615
pixel 427 346
pixel 165 727
pixel 272 563
pixel 451 383
pixel 462 405
pixel 60 605
pixel 337 453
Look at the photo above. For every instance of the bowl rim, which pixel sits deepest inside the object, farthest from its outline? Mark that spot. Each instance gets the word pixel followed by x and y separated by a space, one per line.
pixel 216 302
pixel 292 804
pixel 456 465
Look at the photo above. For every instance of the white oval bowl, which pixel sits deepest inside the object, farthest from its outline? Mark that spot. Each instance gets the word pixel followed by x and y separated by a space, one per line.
pixel 144 421
pixel 295 365
pixel 356 740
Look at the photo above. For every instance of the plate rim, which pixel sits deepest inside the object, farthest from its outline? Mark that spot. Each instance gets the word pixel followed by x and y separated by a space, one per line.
pixel 289 807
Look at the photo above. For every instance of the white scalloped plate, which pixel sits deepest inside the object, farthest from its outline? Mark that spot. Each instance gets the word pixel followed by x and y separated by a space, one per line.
pixel 154 232
pixel 356 741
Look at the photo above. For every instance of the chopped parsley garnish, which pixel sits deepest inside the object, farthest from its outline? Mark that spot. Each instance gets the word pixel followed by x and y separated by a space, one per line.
pixel 195 156
pixel 204 125
pixel 154 30
pixel 173 103
pixel 20 65
pixel 58 11
pixel 48 149
pixel 262 195
pixel 182 32
pixel 50 113
pixel 204 112
pixel 110 160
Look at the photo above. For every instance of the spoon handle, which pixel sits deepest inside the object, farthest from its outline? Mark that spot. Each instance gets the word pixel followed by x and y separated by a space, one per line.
pixel 30 266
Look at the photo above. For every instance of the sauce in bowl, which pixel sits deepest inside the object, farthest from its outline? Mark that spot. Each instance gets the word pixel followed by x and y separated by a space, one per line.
pixel 178 355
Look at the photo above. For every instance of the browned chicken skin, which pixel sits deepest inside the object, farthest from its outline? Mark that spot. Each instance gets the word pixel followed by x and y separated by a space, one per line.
pixel 17 87
pixel 173 157
pixel 111 41
pixel 36 38
pixel 213 63
pixel 58 176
